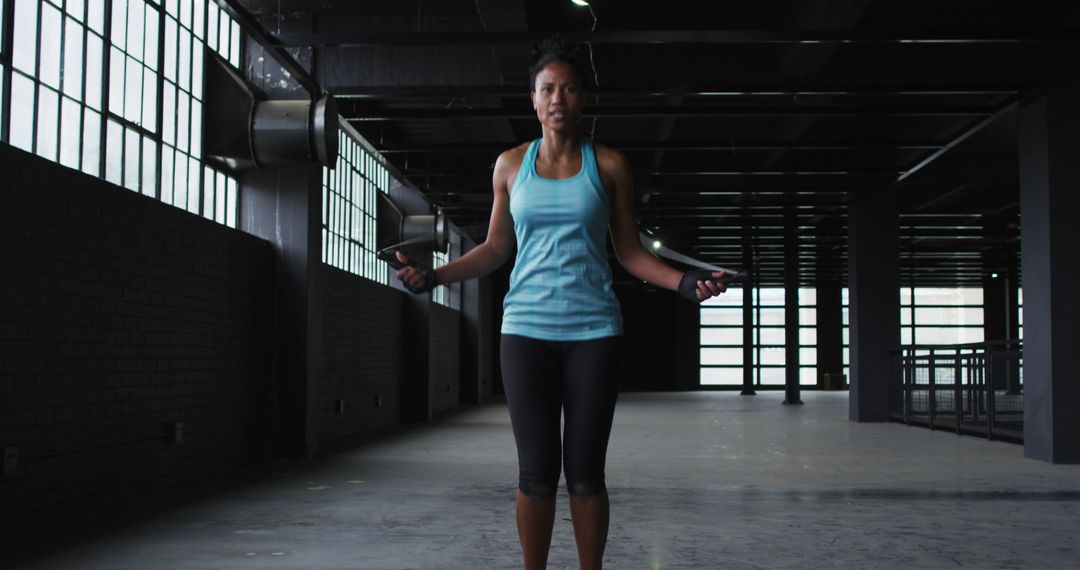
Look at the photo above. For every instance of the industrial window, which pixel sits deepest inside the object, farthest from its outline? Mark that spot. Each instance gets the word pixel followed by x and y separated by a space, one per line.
pixel 350 195
pixel 115 89
pixel 934 315
pixel 769 337
pixel 441 293
pixel 1020 313
pixel 807 336
pixel 722 339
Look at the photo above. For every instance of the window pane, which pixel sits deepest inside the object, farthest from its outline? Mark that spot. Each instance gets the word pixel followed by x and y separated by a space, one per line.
pixel 807 316
pixel 183 131
pixel 22 112
pixel 185 12
pixel 119 24
pixel 808 357
pixel 167 180
pixel 168 114
pixel 73 56
pixel 807 297
pixel 208 194
pixel 193 185
pixel 49 72
pixel 91 143
pixel 135 26
pixel 722 336
pixel 807 375
pixel 149 166
pixel 774 356
pixel 150 52
pixel 948 316
pixel 771 376
pixel 196 128
pixel 170 49
pixel 94 58
pixel 220 196
pixel 70 131
pixel 149 100
pixel 772 335
pixel 230 203
pixel 731 356
pixel 197 71
pixel 47 122
pixel 24 48
pixel 131 160
pixel 114 153
pixel 211 25
pixel 721 376
pixel 808 335
pixel 944 296
pixel 770 317
pixel 198 22
pixel 721 316
pixel 180 191
pixel 731 298
pixel 95 16
pixel 184 53
pixel 234 46
pixel 133 91
pixel 116 81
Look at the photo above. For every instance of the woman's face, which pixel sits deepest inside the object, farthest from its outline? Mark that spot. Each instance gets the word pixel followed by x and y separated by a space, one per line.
pixel 557 97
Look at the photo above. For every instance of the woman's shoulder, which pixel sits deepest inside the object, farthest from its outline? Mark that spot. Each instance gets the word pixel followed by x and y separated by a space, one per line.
pixel 609 159
pixel 509 162
pixel 515 154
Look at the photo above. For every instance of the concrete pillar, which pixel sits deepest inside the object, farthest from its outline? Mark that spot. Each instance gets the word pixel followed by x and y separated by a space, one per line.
pixel 283 205
pixel 830 331
pixel 1049 199
pixel 874 297
pixel 791 308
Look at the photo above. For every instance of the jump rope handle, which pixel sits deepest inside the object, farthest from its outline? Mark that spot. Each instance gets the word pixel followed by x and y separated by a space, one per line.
pixel 391 259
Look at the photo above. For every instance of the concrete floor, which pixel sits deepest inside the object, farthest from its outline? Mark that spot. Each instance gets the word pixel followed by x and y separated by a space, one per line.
pixel 697 480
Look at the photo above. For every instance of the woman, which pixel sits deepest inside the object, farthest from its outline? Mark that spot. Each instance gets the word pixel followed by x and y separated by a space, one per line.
pixel 557 197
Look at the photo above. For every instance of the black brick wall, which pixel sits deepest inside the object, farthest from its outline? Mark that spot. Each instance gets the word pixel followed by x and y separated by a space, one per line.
pixel 445 357
pixel 362 352
pixel 118 315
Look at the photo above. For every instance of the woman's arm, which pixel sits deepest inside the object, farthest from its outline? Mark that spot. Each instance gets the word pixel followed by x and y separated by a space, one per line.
pixel 632 255
pixel 497 247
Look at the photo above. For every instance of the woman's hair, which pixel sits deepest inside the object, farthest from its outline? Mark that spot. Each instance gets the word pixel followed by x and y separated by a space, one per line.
pixel 555 49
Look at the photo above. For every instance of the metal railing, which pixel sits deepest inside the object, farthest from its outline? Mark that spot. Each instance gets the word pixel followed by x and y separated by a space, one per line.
pixel 973 388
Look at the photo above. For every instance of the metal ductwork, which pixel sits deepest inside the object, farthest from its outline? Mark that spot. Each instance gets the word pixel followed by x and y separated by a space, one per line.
pixel 295 131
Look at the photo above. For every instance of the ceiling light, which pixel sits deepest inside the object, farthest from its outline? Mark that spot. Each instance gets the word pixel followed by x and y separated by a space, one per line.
pixel 656 245
pixel 580 2
pixel 993 275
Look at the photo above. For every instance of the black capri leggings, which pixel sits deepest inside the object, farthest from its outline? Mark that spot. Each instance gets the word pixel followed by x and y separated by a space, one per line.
pixel 542 378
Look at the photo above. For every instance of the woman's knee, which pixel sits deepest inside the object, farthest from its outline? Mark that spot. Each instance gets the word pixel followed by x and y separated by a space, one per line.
pixel 538 486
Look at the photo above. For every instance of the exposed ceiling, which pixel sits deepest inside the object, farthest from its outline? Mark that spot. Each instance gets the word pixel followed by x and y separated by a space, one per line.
pixel 749 124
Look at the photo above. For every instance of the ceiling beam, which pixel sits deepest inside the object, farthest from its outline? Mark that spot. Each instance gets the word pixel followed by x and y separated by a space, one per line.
pixel 358 38
pixel 733 89
pixel 364 115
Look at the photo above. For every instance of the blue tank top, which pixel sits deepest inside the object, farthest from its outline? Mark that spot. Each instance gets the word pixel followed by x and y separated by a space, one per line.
pixel 560 288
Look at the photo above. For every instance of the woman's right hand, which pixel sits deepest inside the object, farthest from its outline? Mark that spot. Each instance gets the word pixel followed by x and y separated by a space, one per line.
pixel 417 278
